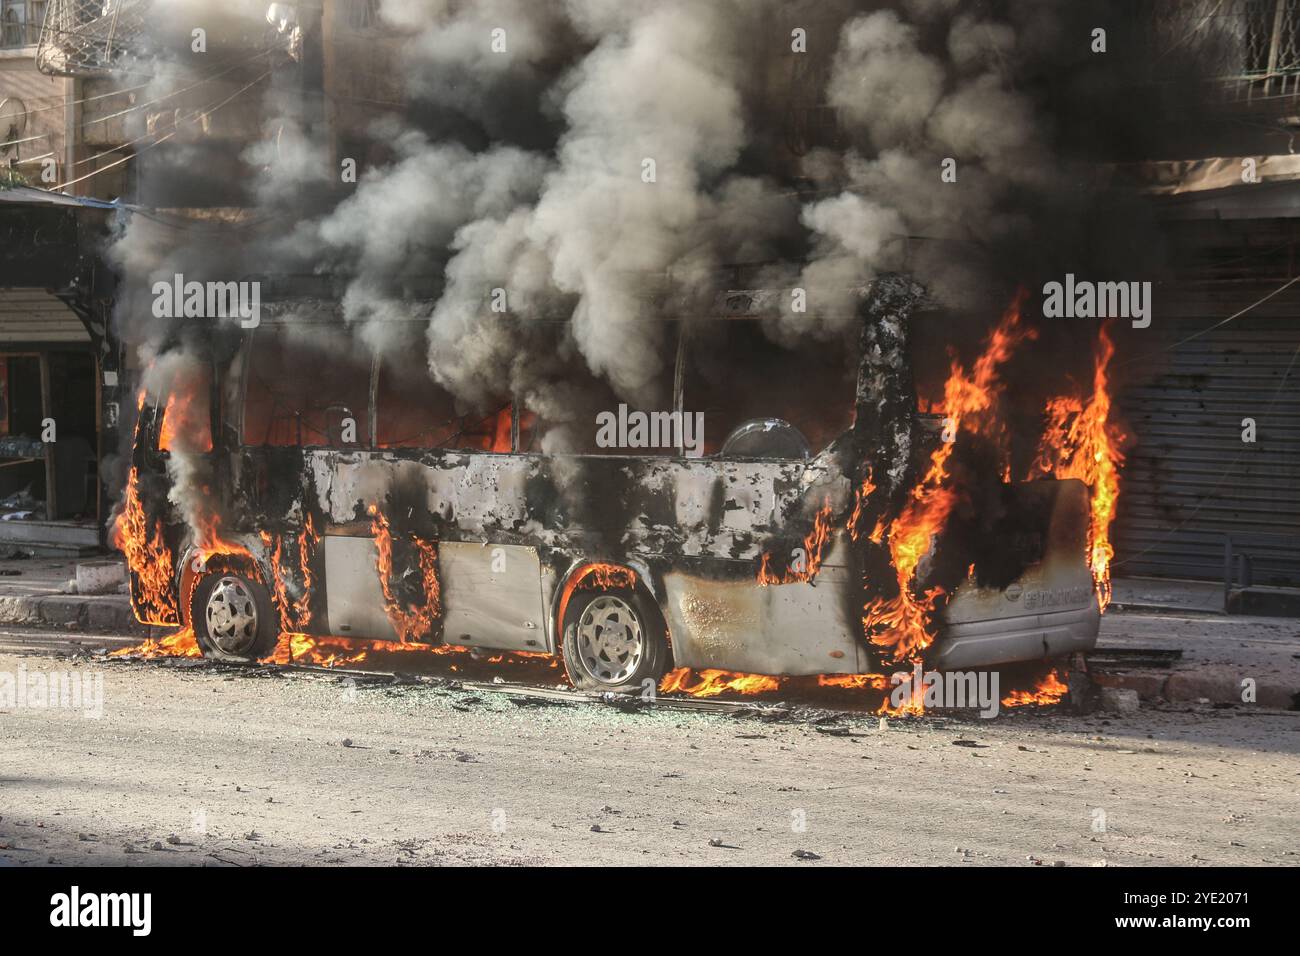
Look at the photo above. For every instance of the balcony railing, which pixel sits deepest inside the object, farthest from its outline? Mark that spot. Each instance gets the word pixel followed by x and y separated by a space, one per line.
pixel 1251 47
pixel 89 37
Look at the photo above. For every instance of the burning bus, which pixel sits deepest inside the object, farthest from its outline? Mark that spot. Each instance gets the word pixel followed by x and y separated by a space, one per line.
pixel 288 484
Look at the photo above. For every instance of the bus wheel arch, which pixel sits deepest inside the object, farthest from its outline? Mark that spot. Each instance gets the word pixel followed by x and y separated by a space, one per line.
pixel 229 606
pixel 612 633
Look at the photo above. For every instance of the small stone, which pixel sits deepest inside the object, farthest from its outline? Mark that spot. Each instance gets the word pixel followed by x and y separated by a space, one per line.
pixel 1120 700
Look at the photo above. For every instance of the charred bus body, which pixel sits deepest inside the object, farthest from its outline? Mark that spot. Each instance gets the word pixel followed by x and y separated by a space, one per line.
pixel 355 504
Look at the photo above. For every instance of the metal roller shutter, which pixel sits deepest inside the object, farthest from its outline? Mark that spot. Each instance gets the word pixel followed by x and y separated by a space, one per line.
pixel 1190 478
pixel 34 316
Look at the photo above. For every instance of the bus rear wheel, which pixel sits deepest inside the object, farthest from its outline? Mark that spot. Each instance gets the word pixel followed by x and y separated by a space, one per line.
pixel 233 618
pixel 613 641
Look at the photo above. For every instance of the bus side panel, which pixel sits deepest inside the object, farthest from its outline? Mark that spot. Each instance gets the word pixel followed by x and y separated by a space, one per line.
pixel 797 629
pixel 505 523
pixel 1050 609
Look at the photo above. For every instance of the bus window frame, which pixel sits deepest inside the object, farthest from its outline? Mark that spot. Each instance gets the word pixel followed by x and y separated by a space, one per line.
pixel 682 330
pixel 242 365
pixel 153 413
pixel 245 374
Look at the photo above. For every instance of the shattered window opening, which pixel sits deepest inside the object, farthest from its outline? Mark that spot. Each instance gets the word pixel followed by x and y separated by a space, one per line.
pixel 414 411
pixel 736 374
pixel 307 393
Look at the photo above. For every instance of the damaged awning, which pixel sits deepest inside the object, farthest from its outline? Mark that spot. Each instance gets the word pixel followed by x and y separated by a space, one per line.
pixel 1217 187
pixel 28 196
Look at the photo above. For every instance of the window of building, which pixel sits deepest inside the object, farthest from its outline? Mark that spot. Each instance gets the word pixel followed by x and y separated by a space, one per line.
pixel 20 22
pixel 35 19
pixel 13 24
pixel 363 14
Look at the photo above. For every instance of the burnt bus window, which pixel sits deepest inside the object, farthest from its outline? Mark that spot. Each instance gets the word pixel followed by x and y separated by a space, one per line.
pixel 736 374
pixel 310 389
pixel 185 419
pixel 413 411
pixel 585 416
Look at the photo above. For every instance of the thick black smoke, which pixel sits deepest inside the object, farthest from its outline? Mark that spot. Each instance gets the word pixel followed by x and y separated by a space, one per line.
pixel 603 162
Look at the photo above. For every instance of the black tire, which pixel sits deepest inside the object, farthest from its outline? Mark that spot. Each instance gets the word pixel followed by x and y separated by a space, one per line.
pixel 593 667
pixel 236 637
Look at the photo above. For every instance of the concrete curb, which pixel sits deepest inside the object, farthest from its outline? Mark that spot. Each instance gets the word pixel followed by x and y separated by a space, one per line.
pixel 108 614
pixel 1218 685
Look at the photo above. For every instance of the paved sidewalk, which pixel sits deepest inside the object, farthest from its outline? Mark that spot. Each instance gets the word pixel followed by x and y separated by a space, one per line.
pixel 1218 654
pixel 42 591
pixel 1161 594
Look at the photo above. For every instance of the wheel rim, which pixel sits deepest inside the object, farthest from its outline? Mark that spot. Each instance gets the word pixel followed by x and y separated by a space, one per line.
pixel 231 616
pixel 611 641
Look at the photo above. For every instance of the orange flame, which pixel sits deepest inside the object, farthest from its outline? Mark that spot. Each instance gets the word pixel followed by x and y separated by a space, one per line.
pixel 186 423
pixel 1048 691
pixel 1080 442
pixel 605 577
pixel 712 682
pixel 308 539
pixel 608 577
pixel 167 432
pixel 501 431
pixel 179 644
pixel 853 681
pixel 417 622
pixel 860 498
pixel 329 651
pixel 294 615
pixel 901 625
pixel 813 546
pixel 148 557
pixel 912 706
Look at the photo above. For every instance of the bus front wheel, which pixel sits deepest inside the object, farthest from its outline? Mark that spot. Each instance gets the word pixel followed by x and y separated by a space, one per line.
pixel 613 640
pixel 233 618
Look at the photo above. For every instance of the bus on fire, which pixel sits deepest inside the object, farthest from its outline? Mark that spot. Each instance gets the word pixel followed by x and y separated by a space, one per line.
pixel 794 514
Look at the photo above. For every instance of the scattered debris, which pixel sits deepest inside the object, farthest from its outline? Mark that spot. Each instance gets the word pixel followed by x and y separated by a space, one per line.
pixel 837 732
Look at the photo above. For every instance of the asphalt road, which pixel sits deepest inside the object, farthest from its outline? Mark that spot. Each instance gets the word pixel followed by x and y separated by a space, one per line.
pixel 214 766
